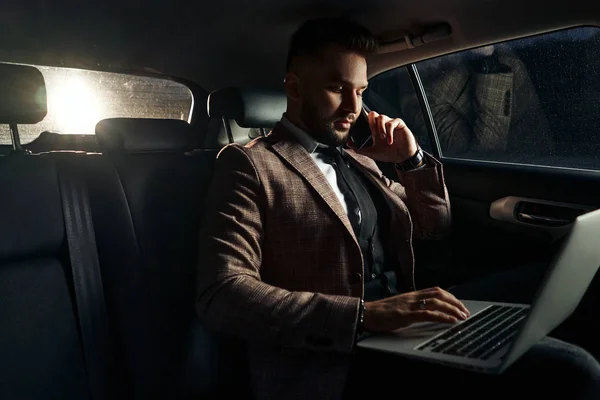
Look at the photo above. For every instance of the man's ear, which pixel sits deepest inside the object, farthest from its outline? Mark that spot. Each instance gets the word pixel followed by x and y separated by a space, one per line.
pixel 292 86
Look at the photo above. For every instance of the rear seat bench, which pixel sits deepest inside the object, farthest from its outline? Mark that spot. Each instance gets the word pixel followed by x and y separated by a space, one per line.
pixel 159 183
pixel 39 341
pixel 146 192
pixel 40 345
pixel 146 195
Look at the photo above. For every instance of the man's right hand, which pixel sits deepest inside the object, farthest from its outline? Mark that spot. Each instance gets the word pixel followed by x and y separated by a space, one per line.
pixel 427 305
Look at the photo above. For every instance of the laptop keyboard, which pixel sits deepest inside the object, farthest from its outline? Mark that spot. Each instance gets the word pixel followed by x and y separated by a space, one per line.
pixel 481 335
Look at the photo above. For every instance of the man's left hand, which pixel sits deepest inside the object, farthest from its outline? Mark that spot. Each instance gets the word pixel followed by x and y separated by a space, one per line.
pixel 393 141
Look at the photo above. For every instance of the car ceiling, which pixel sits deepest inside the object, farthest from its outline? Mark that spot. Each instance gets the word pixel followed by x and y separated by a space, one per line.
pixel 227 42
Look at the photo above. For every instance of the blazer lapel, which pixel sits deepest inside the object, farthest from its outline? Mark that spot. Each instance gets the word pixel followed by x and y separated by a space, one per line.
pixel 298 158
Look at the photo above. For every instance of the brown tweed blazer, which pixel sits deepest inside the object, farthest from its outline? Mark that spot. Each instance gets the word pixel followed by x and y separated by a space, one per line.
pixel 281 267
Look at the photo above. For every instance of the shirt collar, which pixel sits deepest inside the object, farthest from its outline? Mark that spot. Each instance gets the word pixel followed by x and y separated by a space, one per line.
pixel 307 141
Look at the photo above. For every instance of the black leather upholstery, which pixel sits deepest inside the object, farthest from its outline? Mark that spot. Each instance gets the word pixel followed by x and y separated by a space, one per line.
pixel 241 114
pixel 248 107
pixel 39 341
pixel 146 194
pixel 23 92
pixel 147 204
pixel 217 137
pixel 146 211
pixel 144 135
pixel 39 344
pixel 34 229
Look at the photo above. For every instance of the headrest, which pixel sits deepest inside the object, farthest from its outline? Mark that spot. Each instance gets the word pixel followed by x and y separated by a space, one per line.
pixel 55 141
pixel 133 135
pixel 23 92
pixel 249 108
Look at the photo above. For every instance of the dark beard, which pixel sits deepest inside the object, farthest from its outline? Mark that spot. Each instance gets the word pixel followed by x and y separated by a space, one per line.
pixel 322 128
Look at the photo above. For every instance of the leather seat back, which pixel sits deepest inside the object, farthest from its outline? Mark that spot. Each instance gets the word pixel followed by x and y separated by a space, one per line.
pixel 163 182
pixel 40 345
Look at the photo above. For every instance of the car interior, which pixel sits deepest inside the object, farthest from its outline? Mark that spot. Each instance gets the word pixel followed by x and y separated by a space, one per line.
pixel 99 225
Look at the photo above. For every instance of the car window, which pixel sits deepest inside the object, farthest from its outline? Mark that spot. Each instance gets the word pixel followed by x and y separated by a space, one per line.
pixel 78 99
pixel 392 94
pixel 529 101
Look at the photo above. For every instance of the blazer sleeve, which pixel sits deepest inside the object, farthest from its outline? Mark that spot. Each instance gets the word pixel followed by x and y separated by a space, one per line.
pixel 231 296
pixel 425 194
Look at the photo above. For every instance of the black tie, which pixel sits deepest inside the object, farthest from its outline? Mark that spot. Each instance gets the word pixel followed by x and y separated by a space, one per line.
pixel 345 182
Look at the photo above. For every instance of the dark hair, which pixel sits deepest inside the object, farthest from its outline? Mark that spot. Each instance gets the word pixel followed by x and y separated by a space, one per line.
pixel 313 35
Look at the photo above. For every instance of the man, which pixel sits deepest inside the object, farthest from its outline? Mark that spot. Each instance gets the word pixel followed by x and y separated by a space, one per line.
pixel 299 231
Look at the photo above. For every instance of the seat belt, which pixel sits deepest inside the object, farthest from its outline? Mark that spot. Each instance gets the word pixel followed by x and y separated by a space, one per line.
pixel 87 280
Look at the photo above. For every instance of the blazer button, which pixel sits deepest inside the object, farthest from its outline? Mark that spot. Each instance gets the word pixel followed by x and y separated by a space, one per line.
pixel 355 278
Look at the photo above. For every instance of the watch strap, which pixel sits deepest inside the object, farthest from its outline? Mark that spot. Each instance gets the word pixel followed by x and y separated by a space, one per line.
pixel 412 162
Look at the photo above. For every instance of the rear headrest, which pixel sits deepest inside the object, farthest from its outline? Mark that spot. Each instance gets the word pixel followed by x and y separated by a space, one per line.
pixel 249 108
pixel 23 92
pixel 133 135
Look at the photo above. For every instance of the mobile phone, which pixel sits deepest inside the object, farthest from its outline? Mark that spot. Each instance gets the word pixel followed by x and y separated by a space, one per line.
pixel 360 133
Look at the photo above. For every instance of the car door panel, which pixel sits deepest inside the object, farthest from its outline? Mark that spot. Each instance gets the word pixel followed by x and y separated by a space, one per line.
pixel 485 237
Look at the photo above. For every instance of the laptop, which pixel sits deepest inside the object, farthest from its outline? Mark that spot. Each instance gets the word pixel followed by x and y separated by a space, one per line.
pixel 497 334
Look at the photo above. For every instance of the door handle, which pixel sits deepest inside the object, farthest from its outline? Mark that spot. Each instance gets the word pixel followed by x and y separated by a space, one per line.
pixel 552 217
pixel 541 220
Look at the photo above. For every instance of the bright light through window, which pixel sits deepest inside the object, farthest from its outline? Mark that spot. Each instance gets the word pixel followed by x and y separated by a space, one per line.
pixel 79 99
pixel 74 106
